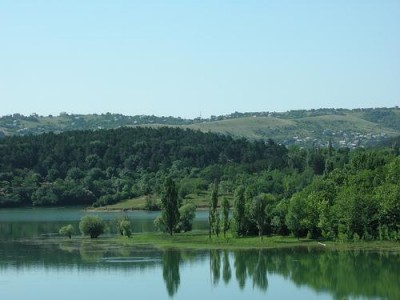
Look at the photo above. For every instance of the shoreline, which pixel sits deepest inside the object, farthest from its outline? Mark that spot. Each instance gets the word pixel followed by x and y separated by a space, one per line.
pixel 199 240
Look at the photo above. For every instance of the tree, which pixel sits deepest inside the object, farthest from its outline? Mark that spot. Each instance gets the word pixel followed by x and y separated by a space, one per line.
pixel 187 213
pixel 257 212
pixel 125 228
pixel 67 230
pixel 159 224
pixel 225 215
pixel 170 205
pixel 296 215
pixel 213 217
pixel 92 225
pixel 239 211
pixel 217 224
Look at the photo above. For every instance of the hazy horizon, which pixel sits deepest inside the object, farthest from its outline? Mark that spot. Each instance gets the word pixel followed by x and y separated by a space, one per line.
pixel 200 116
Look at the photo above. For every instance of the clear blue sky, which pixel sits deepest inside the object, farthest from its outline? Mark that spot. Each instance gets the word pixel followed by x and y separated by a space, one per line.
pixel 183 58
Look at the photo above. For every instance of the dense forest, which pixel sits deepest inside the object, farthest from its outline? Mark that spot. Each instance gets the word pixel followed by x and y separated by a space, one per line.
pixel 319 192
pixel 105 166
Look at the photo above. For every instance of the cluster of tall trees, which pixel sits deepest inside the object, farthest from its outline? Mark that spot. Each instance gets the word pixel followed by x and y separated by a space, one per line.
pixel 360 200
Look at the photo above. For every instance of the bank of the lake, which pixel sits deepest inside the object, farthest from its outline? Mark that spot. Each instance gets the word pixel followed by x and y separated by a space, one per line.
pixel 201 240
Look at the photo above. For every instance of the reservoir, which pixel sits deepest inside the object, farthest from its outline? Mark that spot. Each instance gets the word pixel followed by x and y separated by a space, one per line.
pixel 35 263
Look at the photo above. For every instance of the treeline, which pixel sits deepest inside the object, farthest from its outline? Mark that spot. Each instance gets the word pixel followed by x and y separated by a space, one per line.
pixel 105 166
pixel 360 200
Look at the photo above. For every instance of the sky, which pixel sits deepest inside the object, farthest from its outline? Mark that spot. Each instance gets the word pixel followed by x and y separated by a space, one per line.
pixel 197 58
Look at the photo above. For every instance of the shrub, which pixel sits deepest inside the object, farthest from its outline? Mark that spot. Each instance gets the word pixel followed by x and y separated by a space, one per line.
pixel 67 230
pixel 125 227
pixel 159 224
pixel 187 214
pixel 91 225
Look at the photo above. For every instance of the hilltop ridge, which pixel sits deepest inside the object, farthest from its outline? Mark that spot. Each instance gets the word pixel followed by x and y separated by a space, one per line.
pixel 343 127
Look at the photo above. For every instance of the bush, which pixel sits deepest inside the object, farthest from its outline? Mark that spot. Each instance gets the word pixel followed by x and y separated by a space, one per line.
pixel 151 203
pixel 123 225
pixel 187 214
pixel 67 230
pixel 125 228
pixel 159 224
pixel 91 225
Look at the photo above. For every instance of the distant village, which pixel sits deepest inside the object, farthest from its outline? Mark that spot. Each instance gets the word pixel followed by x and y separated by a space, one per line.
pixel 339 139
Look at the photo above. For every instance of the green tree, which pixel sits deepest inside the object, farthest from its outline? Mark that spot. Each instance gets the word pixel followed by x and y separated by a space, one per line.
pixel 159 224
pixel 92 225
pixel 239 211
pixel 296 215
pixel 212 210
pixel 257 213
pixel 225 215
pixel 170 205
pixel 67 230
pixel 187 213
pixel 125 227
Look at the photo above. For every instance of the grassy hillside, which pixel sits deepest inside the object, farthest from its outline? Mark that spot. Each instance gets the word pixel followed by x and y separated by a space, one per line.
pixel 345 128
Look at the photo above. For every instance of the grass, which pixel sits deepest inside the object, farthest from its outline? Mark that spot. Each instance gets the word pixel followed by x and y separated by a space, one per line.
pixel 130 204
pixel 200 240
pixel 200 199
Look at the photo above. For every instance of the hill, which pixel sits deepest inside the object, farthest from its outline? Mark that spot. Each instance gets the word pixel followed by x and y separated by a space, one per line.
pixel 344 128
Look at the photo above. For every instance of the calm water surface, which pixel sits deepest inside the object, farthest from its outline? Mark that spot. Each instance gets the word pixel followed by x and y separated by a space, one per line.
pixel 35 265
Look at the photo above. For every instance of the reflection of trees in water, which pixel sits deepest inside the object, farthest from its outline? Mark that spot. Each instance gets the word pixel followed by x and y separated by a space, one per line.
pixel 215 266
pixel 171 260
pixel 226 271
pixel 260 272
pixel 240 268
pixel 343 274
pixel 251 264
pixel 90 253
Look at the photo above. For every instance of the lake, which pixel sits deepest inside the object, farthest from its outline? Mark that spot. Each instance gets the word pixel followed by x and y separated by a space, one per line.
pixel 36 265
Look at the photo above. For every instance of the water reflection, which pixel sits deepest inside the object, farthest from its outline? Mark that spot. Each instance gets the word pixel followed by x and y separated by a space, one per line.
pixel 345 274
pixel 215 266
pixel 171 260
pixel 226 269
pixel 252 266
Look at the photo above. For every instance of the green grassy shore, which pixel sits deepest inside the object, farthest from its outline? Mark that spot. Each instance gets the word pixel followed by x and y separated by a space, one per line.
pixel 201 240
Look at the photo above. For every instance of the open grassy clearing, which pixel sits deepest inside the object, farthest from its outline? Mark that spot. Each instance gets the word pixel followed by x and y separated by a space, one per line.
pixel 200 199
pixel 129 204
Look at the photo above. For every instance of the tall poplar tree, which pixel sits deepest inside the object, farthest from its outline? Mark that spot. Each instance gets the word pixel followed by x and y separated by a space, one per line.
pixel 170 205
pixel 213 216
pixel 239 211
pixel 225 215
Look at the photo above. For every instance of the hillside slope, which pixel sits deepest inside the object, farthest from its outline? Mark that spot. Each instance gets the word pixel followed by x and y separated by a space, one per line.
pixel 345 128
pixel 343 131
